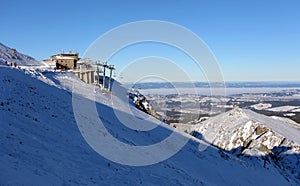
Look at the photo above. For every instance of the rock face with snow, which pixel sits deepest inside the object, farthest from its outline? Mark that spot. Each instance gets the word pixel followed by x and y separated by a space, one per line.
pixel 245 133
pixel 143 104
pixel 11 55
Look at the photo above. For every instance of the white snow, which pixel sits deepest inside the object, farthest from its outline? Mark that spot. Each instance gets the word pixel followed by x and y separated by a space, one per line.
pixel 41 143
pixel 286 108
pixel 296 110
pixel 12 55
pixel 225 106
pixel 287 121
pixel 289 114
pixel 261 106
pixel 245 132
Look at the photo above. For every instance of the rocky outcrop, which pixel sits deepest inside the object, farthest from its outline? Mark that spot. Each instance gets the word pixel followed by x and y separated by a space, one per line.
pixel 247 134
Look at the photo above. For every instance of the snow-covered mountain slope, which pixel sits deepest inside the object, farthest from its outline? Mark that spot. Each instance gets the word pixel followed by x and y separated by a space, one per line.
pixel 41 143
pixel 12 55
pixel 246 133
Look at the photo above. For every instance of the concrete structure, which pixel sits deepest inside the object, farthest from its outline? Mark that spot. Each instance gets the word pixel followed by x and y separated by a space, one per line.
pixel 65 61
pixel 85 71
pixel 88 76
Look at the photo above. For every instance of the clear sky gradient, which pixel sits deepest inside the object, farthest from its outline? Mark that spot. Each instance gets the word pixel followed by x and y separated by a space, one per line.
pixel 252 40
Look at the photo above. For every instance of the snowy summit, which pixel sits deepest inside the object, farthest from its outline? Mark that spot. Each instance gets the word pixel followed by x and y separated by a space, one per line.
pixel 272 140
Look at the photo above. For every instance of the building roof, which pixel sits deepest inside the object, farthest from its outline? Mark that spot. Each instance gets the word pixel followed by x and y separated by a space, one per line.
pixel 63 57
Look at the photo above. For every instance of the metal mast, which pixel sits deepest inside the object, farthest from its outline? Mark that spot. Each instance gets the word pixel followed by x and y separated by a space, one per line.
pixel 111 68
pixel 98 71
pixel 104 64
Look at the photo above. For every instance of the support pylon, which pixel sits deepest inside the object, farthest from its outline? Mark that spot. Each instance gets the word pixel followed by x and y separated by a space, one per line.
pixel 104 64
pixel 111 68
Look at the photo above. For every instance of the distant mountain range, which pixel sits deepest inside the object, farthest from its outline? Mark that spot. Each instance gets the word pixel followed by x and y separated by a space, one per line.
pixel 158 85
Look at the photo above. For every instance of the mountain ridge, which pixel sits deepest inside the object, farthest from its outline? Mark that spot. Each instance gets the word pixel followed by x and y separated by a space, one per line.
pixel 11 55
pixel 41 143
pixel 244 133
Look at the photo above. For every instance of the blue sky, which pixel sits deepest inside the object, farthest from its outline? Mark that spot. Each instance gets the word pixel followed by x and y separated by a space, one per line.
pixel 252 40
